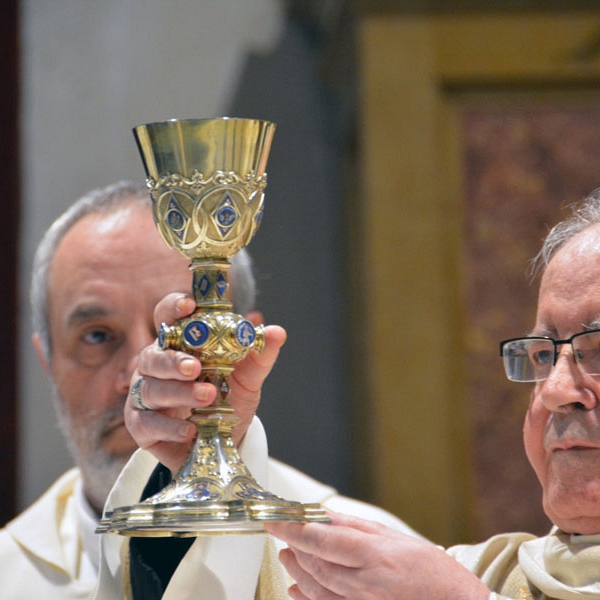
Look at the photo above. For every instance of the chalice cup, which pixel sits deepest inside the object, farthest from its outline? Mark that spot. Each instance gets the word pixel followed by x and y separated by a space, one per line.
pixel 206 178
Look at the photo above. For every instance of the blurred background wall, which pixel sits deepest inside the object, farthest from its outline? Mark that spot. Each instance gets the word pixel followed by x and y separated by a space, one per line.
pixel 478 125
pixel 423 149
pixel 93 70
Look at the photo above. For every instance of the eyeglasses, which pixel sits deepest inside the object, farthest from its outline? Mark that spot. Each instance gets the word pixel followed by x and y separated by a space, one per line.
pixel 532 358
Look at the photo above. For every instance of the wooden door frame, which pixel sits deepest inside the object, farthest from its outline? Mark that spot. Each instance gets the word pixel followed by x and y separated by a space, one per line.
pixel 408 231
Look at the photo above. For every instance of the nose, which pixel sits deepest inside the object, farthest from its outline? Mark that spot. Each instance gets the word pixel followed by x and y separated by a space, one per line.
pixel 566 387
pixel 137 339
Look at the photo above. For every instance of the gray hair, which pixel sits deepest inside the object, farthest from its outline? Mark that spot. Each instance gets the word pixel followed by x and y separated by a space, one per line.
pixel 583 215
pixel 103 201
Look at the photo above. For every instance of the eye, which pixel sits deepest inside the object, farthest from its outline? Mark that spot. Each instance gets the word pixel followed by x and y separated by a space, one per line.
pixel 542 357
pixel 96 336
pixel 587 352
pixel 95 346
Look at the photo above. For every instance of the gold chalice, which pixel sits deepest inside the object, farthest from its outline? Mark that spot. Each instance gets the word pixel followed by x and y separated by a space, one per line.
pixel 206 178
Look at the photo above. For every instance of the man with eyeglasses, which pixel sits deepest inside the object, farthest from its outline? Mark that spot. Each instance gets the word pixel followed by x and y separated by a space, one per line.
pixel 560 359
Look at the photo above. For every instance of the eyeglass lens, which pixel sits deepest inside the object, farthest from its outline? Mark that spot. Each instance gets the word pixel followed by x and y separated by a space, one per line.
pixel 531 359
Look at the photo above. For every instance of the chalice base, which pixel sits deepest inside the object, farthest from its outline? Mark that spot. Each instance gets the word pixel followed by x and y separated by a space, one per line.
pixel 212 494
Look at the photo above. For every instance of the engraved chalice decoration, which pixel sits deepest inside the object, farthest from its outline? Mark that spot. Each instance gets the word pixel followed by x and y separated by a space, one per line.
pixel 206 178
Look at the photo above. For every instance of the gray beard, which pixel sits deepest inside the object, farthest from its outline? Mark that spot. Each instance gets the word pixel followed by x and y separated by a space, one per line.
pixel 99 468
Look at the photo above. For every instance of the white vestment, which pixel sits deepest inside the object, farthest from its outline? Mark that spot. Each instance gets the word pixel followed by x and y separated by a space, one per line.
pixel 520 566
pixel 50 551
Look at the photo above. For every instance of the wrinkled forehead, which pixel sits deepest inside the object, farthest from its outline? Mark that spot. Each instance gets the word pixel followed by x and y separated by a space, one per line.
pixel 124 223
pixel 105 222
pixel 116 243
pixel 586 243
pixel 129 213
pixel 570 286
pixel 580 255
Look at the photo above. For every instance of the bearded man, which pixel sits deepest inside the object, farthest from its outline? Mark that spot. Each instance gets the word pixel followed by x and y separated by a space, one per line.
pixel 98 274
